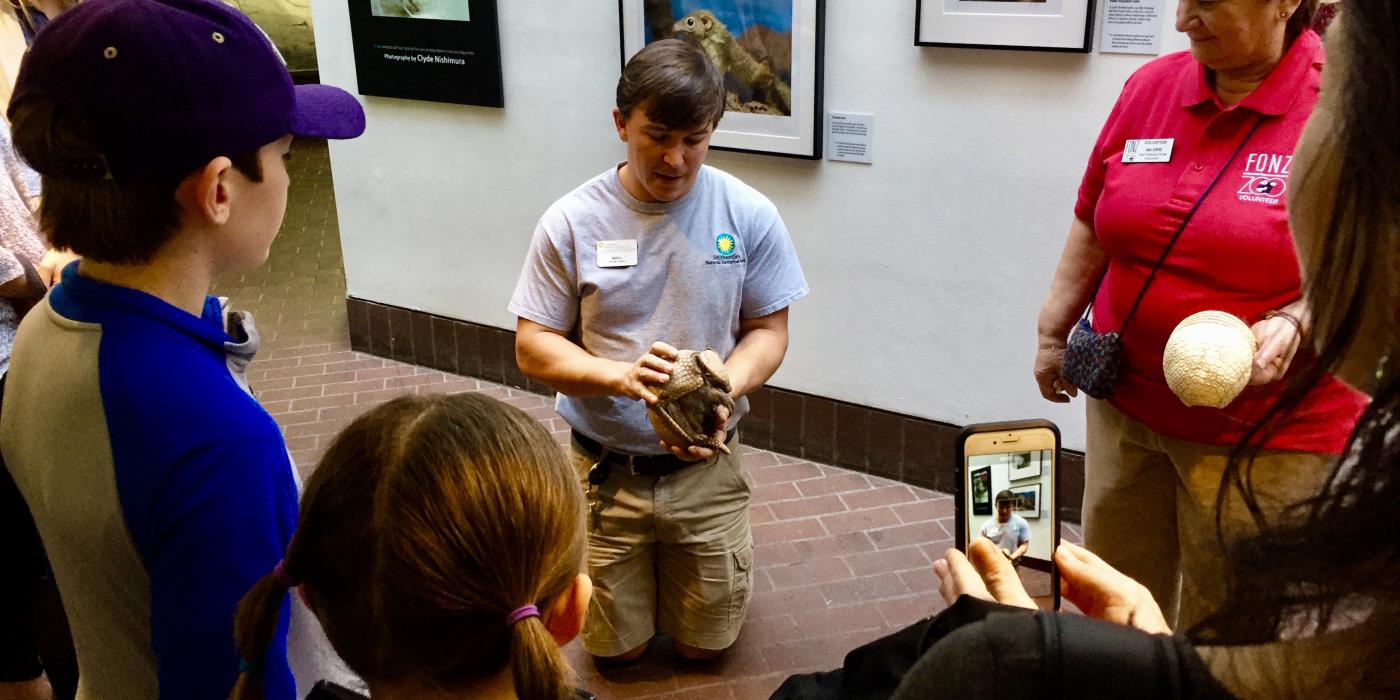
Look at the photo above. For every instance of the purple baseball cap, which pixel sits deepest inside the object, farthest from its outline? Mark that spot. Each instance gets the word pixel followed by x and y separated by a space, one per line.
pixel 171 84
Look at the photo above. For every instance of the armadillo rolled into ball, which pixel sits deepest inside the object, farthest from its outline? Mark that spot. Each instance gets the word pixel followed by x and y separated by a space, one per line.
pixel 1207 359
pixel 684 412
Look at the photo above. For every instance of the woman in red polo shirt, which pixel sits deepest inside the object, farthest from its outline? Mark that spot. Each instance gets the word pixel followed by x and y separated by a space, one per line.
pixel 1229 111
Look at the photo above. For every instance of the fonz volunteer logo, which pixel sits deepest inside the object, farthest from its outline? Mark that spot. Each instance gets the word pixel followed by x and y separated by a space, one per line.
pixel 725 244
pixel 726 251
pixel 1265 178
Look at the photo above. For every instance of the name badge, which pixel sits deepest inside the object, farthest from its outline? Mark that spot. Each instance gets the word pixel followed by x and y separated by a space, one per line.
pixel 1148 150
pixel 617 253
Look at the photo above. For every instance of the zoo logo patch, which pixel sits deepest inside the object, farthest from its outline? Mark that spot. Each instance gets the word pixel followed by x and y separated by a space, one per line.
pixel 1265 178
pixel 725 244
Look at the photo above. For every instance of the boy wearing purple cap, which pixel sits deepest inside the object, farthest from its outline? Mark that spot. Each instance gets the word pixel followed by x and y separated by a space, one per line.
pixel 161 488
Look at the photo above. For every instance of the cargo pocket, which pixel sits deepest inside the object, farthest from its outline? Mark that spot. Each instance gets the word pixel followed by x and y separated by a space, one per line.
pixel 741 587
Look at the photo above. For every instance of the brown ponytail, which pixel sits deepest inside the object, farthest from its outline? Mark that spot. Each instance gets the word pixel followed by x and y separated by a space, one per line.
pixel 537 665
pixel 428 521
pixel 253 627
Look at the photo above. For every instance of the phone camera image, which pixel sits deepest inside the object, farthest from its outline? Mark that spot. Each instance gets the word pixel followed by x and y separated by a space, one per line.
pixel 1009 501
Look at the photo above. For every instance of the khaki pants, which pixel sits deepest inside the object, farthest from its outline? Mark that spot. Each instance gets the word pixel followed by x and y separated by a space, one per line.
pixel 671 553
pixel 1149 507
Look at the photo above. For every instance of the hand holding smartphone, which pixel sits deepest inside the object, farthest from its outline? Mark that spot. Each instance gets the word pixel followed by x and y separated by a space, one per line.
pixel 1008 493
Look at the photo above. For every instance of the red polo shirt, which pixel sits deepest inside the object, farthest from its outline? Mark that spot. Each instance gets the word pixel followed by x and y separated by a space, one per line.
pixel 1237 253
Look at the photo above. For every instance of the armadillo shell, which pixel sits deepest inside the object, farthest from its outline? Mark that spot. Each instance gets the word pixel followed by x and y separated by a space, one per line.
pixel 672 433
pixel 691 371
pixel 1208 357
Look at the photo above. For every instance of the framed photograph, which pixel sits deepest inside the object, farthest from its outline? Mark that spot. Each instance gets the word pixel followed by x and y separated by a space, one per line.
pixel 1027 501
pixel 981 490
pixel 770 52
pixel 434 50
pixel 1032 25
pixel 1024 465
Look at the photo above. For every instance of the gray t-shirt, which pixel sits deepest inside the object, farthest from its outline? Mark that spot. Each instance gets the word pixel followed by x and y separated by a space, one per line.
pixel 1008 535
pixel 715 256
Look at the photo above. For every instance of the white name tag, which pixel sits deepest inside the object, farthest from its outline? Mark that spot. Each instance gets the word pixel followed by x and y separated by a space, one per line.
pixel 1148 150
pixel 617 253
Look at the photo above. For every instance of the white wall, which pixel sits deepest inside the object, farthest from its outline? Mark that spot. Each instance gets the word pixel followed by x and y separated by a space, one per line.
pixel 927 268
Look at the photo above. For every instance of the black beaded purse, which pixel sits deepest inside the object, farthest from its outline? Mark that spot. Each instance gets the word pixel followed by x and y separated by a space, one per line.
pixel 1092 359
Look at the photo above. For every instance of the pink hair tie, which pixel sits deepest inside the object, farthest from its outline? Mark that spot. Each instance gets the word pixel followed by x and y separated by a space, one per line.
pixel 279 573
pixel 521 613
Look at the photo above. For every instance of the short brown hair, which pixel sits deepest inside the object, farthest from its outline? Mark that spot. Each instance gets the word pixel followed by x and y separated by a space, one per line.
pixel 680 86
pixel 87 209
pixel 429 520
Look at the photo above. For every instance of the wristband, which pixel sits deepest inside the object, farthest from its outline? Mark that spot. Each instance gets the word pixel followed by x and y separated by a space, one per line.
pixel 1279 313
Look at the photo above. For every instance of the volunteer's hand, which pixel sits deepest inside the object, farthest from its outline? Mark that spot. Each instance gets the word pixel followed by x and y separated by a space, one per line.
pixel 1278 342
pixel 1049 363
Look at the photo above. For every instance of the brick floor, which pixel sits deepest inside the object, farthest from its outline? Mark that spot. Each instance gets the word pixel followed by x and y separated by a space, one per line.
pixel 841 557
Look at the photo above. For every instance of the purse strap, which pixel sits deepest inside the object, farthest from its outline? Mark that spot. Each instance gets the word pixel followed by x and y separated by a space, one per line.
pixel 1179 229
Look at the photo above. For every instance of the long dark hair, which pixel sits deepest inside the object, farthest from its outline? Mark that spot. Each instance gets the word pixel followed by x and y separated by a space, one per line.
pixel 1333 560
pixel 429 520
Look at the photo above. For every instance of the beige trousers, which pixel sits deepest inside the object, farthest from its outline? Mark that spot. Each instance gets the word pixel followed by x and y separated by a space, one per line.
pixel 1150 507
pixel 671 553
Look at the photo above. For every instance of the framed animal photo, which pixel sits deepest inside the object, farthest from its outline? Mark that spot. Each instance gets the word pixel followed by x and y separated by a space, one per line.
pixel 770 52
pixel 1031 25
pixel 1027 501
pixel 435 50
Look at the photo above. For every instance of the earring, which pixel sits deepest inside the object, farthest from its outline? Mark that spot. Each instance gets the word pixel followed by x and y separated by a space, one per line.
pixel 1283 14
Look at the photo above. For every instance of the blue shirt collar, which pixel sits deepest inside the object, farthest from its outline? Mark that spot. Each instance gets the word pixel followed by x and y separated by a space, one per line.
pixel 85 299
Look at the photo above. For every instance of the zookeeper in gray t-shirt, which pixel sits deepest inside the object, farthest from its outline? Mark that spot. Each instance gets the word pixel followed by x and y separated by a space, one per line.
pixel 658 253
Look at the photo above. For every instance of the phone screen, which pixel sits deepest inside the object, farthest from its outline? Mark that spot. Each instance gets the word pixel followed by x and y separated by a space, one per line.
pixel 1009 498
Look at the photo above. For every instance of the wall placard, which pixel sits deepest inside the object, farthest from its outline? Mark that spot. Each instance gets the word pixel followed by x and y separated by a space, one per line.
pixel 435 50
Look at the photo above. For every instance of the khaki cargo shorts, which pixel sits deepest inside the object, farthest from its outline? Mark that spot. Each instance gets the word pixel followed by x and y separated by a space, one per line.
pixel 671 553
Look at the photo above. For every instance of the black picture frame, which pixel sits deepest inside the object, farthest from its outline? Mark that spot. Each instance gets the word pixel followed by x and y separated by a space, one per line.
pixel 1066 32
pixel 797 135
pixel 434 60
pixel 981 501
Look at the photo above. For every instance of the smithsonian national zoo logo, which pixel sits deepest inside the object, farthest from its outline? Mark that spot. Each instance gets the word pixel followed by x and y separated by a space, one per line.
pixel 725 244
pixel 726 251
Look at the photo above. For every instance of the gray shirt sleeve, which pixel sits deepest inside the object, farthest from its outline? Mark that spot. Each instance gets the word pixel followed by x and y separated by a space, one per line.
pixel 774 279
pixel 547 291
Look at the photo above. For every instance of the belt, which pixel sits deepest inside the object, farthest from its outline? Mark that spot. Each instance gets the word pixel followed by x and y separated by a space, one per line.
pixel 638 465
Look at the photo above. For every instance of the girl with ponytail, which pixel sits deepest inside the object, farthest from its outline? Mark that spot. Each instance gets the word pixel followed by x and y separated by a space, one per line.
pixel 441 546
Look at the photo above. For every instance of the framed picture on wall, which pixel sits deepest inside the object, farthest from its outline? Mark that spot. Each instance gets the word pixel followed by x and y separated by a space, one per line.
pixel 1027 501
pixel 770 52
pixel 434 50
pixel 1032 25
pixel 1024 465
pixel 981 490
